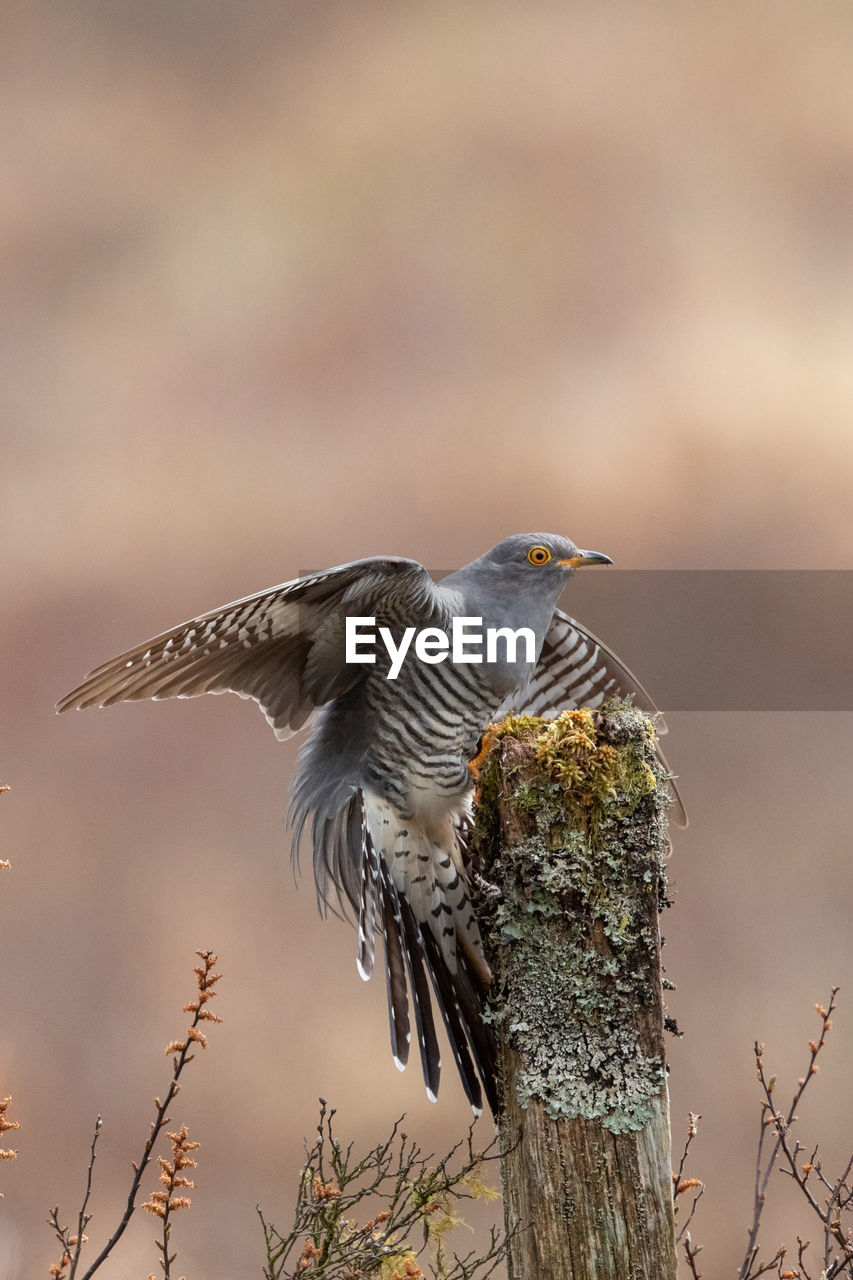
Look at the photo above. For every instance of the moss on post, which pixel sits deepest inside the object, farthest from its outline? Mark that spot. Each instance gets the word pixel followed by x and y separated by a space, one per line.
pixel 571 837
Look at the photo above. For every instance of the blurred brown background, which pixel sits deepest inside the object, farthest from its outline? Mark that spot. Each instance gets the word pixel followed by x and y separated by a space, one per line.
pixel 286 284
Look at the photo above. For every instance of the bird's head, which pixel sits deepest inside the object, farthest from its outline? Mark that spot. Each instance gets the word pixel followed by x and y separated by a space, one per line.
pixel 521 579
pixel 539 557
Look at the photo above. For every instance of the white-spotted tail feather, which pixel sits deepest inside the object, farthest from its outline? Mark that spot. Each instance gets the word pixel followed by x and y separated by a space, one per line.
pixel 367 902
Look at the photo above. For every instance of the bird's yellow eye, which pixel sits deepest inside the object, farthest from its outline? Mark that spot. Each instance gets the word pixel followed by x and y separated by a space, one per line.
pixel 539 555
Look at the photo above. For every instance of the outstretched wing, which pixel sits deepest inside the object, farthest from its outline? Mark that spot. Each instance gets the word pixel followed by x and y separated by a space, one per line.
pixel 576 669
pixel 284 647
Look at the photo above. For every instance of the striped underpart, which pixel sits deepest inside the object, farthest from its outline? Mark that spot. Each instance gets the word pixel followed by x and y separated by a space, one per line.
pixel 418 792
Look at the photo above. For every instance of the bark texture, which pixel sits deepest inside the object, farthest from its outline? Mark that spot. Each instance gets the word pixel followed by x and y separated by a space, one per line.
pixel 571 840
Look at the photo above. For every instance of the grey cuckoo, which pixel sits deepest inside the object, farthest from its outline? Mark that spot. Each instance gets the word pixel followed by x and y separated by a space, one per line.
pixel 382 782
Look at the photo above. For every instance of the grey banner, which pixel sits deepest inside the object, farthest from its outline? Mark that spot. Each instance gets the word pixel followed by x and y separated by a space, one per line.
pixel 726 639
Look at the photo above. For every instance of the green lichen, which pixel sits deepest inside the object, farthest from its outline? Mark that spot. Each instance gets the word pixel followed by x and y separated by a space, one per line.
pixel 572 928
pixel 593 774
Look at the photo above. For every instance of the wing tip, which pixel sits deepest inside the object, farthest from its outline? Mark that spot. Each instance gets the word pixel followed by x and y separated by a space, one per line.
pixel 74 701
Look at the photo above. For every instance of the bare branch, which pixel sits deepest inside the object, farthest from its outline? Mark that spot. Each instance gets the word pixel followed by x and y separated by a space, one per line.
pixel 338 1233
pixel 838 1245
pixel 72 1244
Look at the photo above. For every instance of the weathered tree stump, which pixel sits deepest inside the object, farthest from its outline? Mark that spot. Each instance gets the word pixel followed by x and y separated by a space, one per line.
pixel 571 839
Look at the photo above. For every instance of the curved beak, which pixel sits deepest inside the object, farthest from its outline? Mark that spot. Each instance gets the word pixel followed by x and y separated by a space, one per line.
pixel 586 557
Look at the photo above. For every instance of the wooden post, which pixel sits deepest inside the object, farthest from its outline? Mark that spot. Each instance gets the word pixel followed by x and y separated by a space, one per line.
pixel 571 837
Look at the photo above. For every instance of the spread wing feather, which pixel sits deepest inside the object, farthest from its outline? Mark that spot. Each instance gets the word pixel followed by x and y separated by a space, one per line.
pixel 283 647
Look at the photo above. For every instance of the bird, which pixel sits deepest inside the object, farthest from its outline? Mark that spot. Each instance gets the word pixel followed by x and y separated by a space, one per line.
pixel 382 788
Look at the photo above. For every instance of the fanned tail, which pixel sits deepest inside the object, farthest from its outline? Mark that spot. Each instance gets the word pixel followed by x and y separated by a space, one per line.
pixel 458 996
pixel 411 948
pixel 461 1003
pixel 415 904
